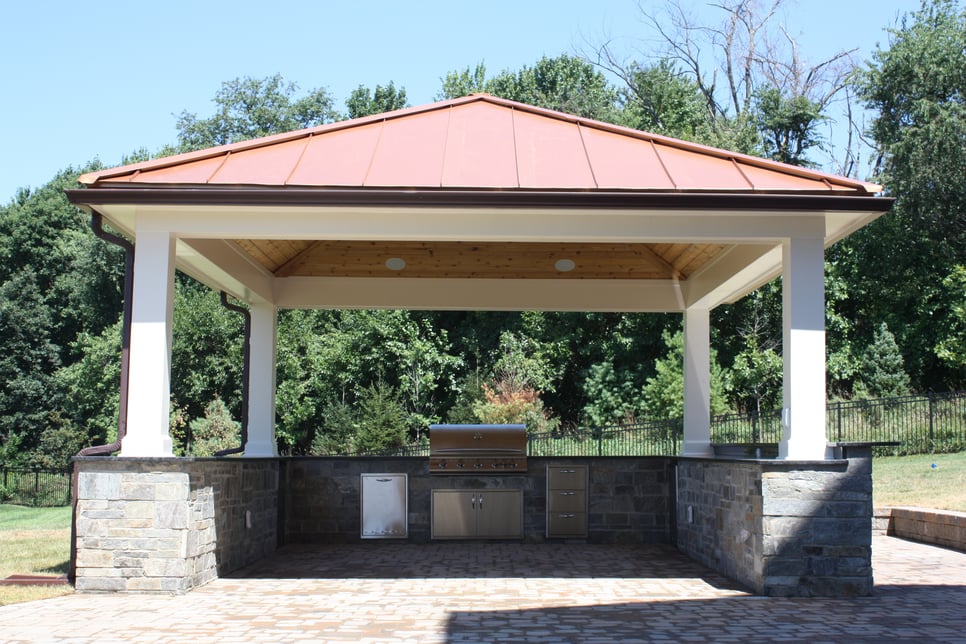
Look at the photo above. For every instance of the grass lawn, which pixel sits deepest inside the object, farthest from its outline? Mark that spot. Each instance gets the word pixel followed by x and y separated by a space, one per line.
pixel 33 541
pixel 912 480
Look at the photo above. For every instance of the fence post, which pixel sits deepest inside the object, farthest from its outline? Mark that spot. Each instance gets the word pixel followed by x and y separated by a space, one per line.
pixel 838 416
pixel 932 442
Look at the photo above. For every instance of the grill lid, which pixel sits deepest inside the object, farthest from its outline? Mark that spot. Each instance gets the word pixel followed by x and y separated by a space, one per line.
pixel 478 440
pixel 455 449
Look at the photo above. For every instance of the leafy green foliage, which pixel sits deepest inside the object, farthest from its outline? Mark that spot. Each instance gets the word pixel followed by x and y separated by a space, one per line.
pixel 206 352
pixel 788 124
pixel 660 99
pixel 882 373
pixel 369 379
pixel 214 432
pixel 564 83
pixel 664 392
pixel 249 108
pixel 362 102
pixel 916 89
pixel 951 348
pixel 381 420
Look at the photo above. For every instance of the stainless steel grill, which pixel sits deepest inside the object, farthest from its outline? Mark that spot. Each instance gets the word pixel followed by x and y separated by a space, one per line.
pixel 481 449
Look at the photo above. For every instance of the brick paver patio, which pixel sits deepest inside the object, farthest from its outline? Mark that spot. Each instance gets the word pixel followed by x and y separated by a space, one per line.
pixel 472 592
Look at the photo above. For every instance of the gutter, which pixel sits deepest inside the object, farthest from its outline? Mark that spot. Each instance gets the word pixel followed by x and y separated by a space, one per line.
pixel 480 198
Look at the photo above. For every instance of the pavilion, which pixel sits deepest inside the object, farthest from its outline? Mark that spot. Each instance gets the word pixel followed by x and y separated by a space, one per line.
pixel 476 203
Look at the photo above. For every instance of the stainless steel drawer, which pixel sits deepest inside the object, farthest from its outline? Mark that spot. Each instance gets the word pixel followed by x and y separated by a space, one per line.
pixel 567 524
pixel 567 477
pixel 567 500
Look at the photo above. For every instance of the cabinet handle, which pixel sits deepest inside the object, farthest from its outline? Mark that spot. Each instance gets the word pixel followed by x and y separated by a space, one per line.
pixel 481 502
pixel 473 502
pixel 568 471
pixel 568 516
pixel 384 480
pixel 568 494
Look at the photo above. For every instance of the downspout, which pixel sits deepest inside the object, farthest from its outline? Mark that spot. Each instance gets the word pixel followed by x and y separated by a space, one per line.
pixel 246 370
pixel 97 225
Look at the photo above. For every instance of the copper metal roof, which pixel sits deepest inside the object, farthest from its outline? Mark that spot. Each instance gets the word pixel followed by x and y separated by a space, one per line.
pixel 477 142
pixel 484 189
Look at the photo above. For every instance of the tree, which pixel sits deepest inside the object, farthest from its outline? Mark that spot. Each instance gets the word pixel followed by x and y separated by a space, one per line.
pixel 362 102
pixel 952 347
pixel 881 372
pixel 248 108
pixel 213 432
pixel 916 88
pixel 521 372
pixel 565 83
pixel 788 125
pixel 28 359
pixel 381 420
pixel 206 352
pixel 662 100
pixel 753 78
pixel 664 392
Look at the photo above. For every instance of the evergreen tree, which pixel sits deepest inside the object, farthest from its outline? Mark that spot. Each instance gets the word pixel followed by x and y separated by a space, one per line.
pixel 882 371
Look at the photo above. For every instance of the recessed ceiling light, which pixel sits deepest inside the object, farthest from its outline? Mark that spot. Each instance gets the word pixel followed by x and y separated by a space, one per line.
pixel 395 263
pixel 564 265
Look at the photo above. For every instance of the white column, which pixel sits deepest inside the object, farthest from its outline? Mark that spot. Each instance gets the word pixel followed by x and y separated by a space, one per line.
pixel 261 382
pixel 697 383
pixel 149 392
pixel 803 315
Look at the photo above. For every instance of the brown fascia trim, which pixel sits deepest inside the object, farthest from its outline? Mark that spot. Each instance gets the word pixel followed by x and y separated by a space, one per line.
pixel 476 199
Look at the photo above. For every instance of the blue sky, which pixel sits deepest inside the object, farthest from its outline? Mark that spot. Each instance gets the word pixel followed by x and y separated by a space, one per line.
pixel 103 79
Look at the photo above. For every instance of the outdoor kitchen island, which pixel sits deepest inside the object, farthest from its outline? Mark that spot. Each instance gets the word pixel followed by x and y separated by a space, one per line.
pixel 628 500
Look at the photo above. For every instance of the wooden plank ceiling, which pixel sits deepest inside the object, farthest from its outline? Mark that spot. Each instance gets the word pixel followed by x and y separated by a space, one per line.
pixel 494 260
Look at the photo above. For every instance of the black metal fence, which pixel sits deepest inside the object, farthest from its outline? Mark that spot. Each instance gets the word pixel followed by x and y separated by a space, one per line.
pixel 654 438
pixel 33 487
pixel 919 424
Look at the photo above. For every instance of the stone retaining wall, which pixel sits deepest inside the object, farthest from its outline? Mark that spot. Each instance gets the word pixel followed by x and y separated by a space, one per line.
pixel 170 525
pixel 780 527
pixel 939 527
pixel 629 498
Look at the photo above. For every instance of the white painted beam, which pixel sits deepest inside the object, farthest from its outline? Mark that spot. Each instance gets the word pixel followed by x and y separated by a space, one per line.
pixel 222 266
pixel 478 294
pixel 467 224
pixel 735 273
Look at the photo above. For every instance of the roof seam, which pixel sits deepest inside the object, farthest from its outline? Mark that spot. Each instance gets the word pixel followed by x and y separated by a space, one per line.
pixel 660 160
pixel 224 160
pixel 442 164
pixel 590 165
pixel 737 165
pixel 298 162
pixel 516 151
pixel 375 151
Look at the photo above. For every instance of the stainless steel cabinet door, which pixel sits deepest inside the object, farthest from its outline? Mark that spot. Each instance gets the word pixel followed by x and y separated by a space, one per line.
pixel 500 514
pixel 454 514
pixel 385 507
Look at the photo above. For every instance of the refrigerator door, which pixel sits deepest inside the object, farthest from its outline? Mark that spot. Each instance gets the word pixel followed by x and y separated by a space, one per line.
pixel 385 506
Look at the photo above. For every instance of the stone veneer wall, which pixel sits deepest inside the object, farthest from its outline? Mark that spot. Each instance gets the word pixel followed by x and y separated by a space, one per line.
pixel 170 525
pixel 630 499
pixel 783 528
